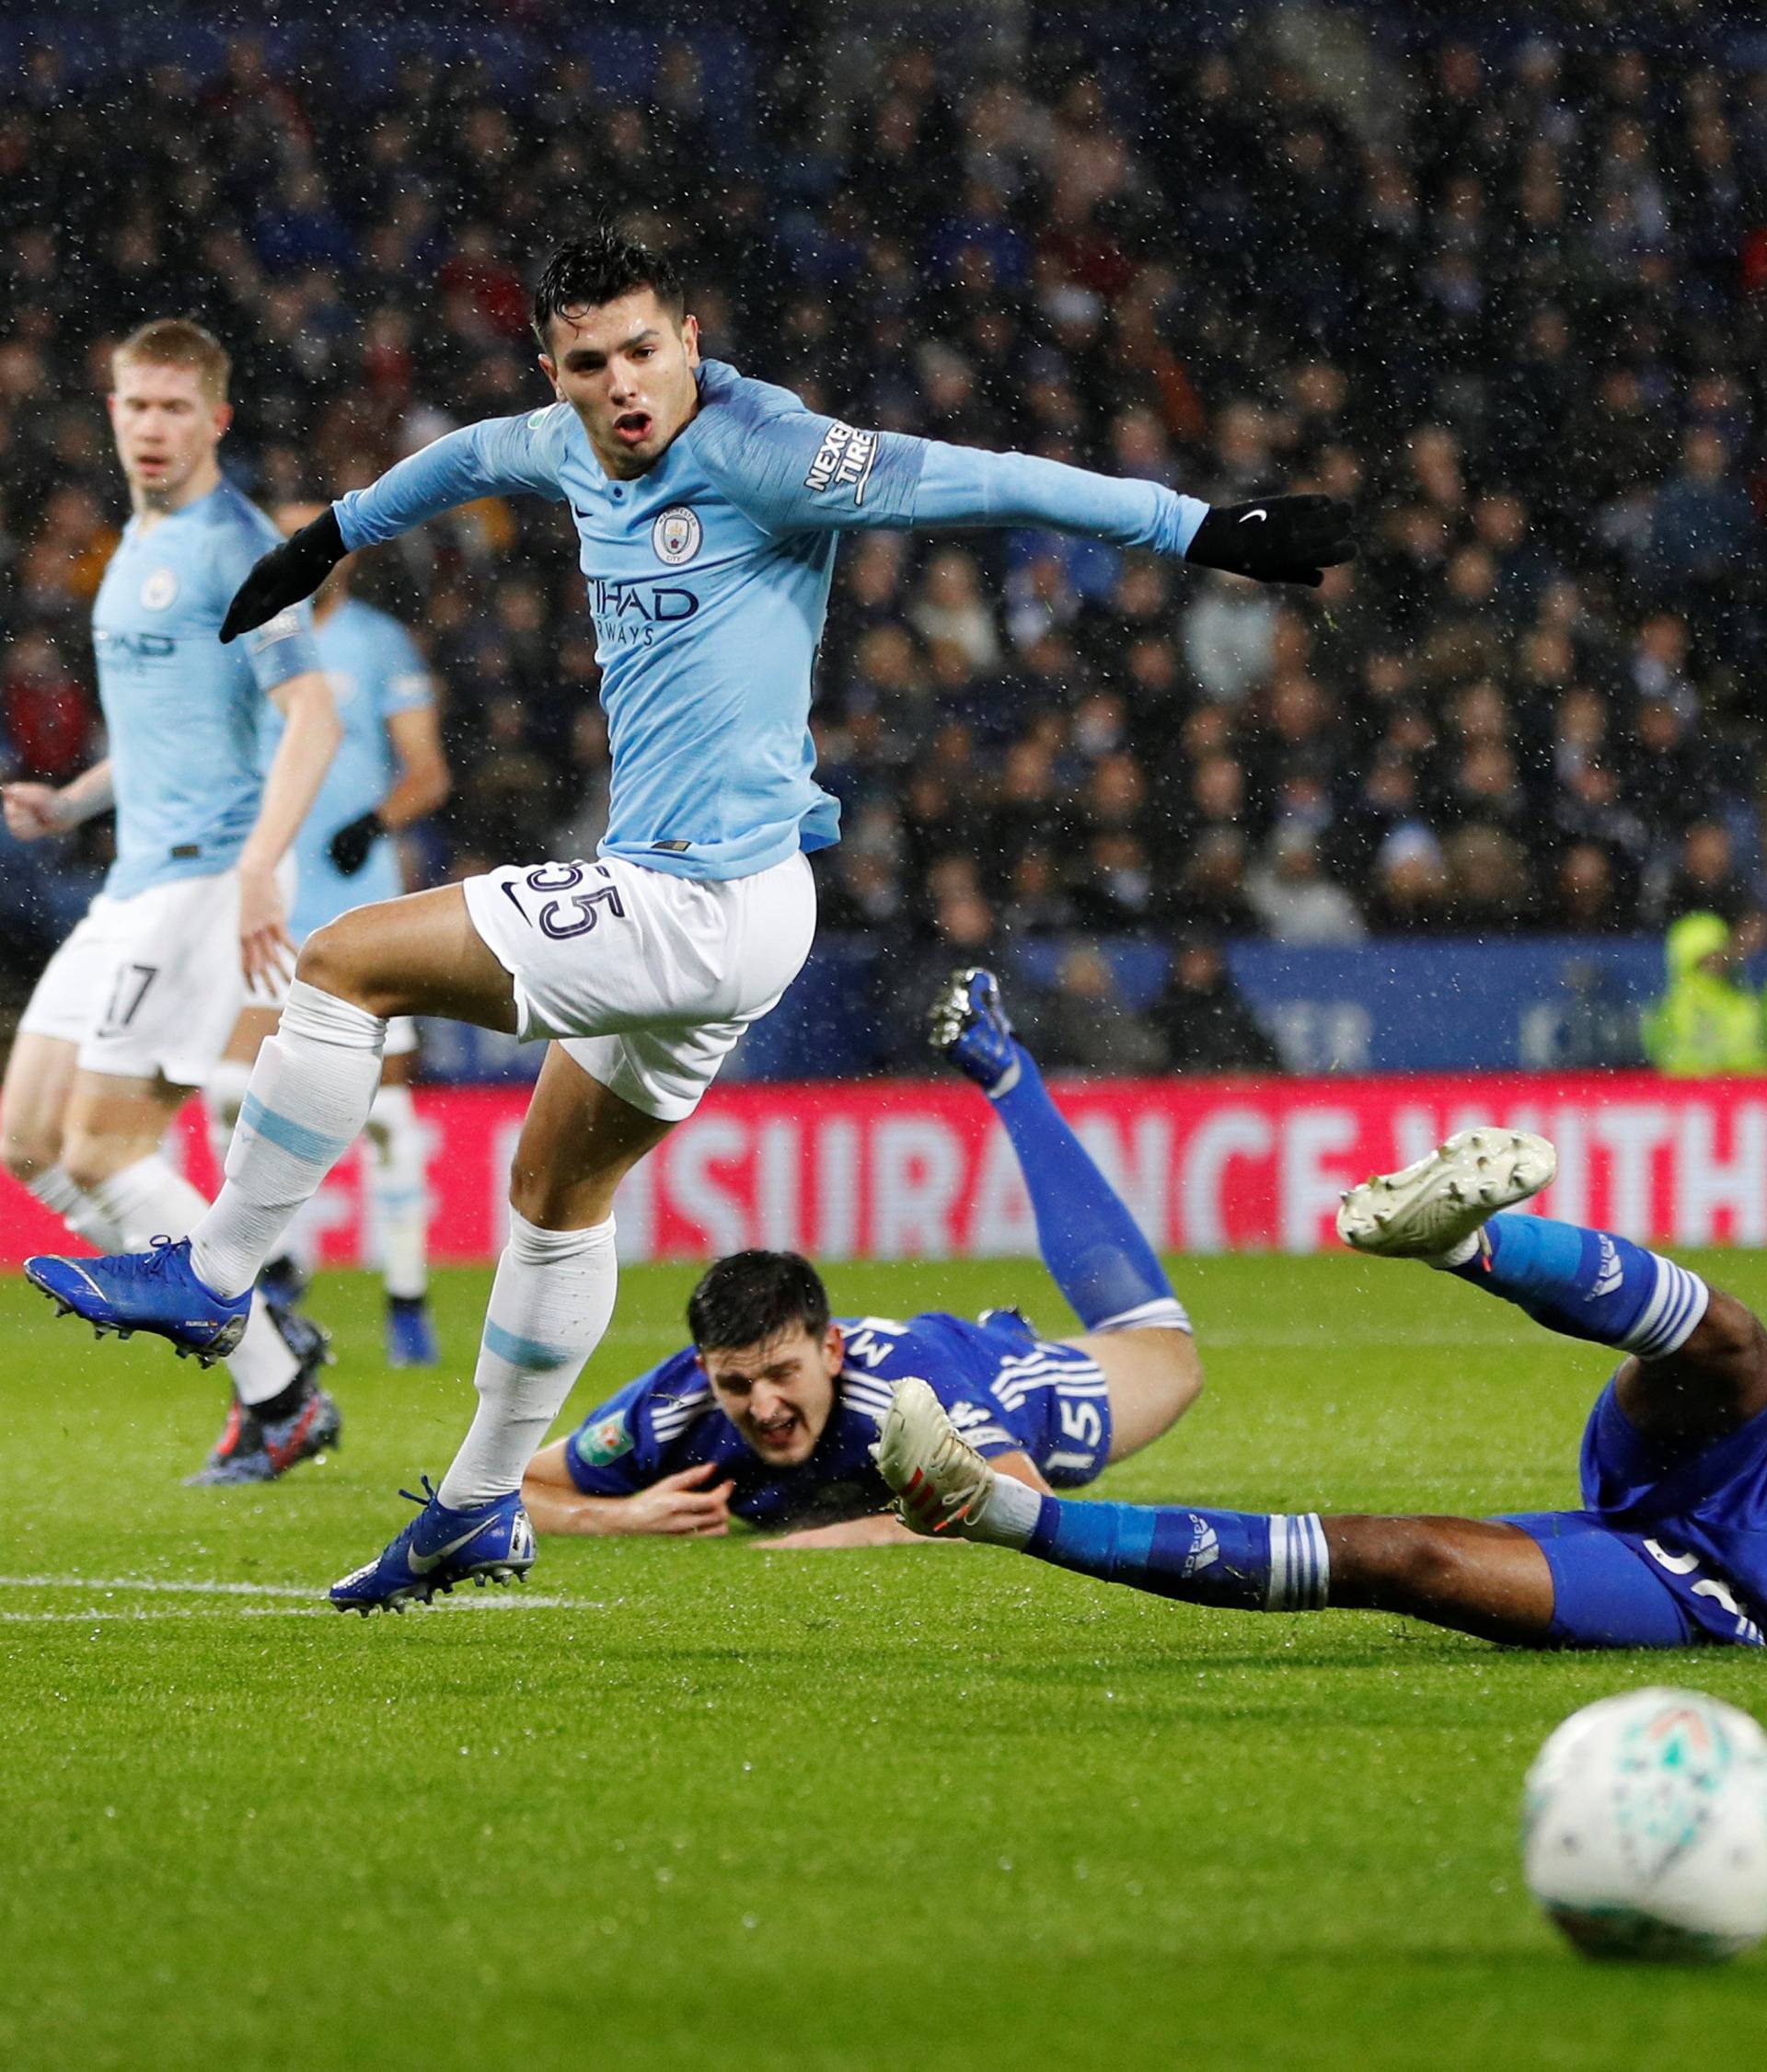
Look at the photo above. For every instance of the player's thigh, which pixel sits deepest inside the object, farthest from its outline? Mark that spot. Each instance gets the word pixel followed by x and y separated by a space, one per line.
pixel 248 1033
pixel 114 1121
pixel 579 1140
pixel 1154 1377
pixel 417 955
pixel 33 1102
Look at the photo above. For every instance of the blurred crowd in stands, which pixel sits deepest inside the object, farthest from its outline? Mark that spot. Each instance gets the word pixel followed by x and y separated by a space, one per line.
pixel 1509 298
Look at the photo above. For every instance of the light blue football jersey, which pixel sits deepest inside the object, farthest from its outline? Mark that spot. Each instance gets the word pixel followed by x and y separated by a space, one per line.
pixel 186 716
pixel 374 670
pixel 708 581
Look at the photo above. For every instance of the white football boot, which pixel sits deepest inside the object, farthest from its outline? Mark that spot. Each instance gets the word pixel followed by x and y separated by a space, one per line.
pixel 1430 1209
pixel 940 1482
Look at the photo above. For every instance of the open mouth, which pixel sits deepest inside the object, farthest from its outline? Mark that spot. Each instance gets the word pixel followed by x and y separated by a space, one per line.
pixel 633 427
pixel 777 1431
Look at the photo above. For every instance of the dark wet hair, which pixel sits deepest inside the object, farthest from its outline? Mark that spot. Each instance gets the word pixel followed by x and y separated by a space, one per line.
pixel 752 1296
pixel 585 273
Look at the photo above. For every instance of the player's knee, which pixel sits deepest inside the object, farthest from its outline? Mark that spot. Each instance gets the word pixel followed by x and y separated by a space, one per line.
pixel 1383 1562
pixel 337 959
pixel 28 1154
pixel 1730 1332
pixel 90 1160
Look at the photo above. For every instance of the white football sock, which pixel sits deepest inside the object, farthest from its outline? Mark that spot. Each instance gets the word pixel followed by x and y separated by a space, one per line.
pixel 77 1208
pixel 223 1095
pixel 550 1304
pixel 309 1096
pixel 1009 1514
pixel 148 1200
pixel 398 1194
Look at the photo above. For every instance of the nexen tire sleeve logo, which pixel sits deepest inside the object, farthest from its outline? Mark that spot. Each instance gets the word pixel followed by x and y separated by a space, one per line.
pixel 844 461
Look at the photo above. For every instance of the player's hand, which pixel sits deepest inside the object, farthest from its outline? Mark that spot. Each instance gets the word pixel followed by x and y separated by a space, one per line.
pixel 285 575
pixel 682 1504
pixel 1276 539
pixel 266 949
pixel 31 811
pixel 353 843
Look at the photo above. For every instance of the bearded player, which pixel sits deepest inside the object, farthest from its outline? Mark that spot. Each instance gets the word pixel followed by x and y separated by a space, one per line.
pixel 708 508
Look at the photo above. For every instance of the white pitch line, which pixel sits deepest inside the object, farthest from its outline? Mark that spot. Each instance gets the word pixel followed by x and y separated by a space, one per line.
pixel 201 1587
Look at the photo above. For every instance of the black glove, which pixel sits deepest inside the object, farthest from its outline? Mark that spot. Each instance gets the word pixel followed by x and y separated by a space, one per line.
pixel 349 847
pixel 285 575
pixel 1276 539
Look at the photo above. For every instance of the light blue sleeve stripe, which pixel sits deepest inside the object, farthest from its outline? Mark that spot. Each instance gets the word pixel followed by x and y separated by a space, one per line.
pixel 527 1352
pixel 289 1135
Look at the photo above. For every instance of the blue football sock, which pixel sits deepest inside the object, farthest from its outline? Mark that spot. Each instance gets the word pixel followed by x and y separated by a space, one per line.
pixel 1251 1562
pixel 1589 1285
pixel 1092 1245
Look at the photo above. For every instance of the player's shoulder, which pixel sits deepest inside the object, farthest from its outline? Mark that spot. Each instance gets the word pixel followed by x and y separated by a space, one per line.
pixel 232 519
pixel 735 409
pixel 368 623
pixel 551 432
pixel 744 396
pixel 673 1396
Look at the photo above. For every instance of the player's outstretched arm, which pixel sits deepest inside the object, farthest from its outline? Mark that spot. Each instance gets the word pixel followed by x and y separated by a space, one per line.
pixel 681 1505
pixel 33 811
pixel 791 470
pixel 501 456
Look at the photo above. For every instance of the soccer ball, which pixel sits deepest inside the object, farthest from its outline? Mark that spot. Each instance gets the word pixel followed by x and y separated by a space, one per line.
pixel 1645 1828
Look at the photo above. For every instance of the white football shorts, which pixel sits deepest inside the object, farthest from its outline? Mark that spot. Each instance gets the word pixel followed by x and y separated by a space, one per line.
pixel 648 979
pixel 151 986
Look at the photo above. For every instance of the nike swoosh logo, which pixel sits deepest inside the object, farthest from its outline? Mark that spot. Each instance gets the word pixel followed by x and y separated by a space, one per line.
pixel 423 1563
pixel 1252 514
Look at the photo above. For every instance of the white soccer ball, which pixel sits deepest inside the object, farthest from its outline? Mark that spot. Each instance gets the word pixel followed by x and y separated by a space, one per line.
pixel 1645 1828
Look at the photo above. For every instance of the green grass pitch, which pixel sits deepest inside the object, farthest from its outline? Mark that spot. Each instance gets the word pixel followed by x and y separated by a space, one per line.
pixel 702 1806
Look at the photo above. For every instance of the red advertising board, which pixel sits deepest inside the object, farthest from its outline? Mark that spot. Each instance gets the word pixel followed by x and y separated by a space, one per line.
pixel 907 1169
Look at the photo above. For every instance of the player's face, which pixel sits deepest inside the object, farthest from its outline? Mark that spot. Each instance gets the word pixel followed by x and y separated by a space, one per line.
pixel 626 368
pixel 778 1394
pixel 166 426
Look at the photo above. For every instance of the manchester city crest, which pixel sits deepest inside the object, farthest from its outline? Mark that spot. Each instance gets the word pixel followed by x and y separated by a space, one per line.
pixel 158 590
pixel 677 534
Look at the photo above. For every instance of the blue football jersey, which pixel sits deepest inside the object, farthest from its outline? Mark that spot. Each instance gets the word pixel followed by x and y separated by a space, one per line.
pixel 708 581
pixel 185 717
pixel 1007 1391
pixel 374 670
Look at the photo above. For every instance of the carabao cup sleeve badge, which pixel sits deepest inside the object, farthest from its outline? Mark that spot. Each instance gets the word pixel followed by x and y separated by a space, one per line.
pixel 603 1441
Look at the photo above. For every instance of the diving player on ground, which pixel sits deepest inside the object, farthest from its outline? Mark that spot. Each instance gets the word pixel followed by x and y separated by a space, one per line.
pixel 132 1010
pixel 1669 1549
pixel 771 1414
pixel 708 508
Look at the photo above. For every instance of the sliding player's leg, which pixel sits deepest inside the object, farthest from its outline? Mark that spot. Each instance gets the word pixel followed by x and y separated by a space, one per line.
pixel 1489 1578
pixel 1137 1330
pixel 309 1095
pixel 1679 1433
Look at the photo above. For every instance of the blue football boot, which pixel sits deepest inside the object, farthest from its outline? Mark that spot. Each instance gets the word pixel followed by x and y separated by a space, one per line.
pixel 439 1548
pixel 967 1025
pixel 410 1336
pixel 152 1291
